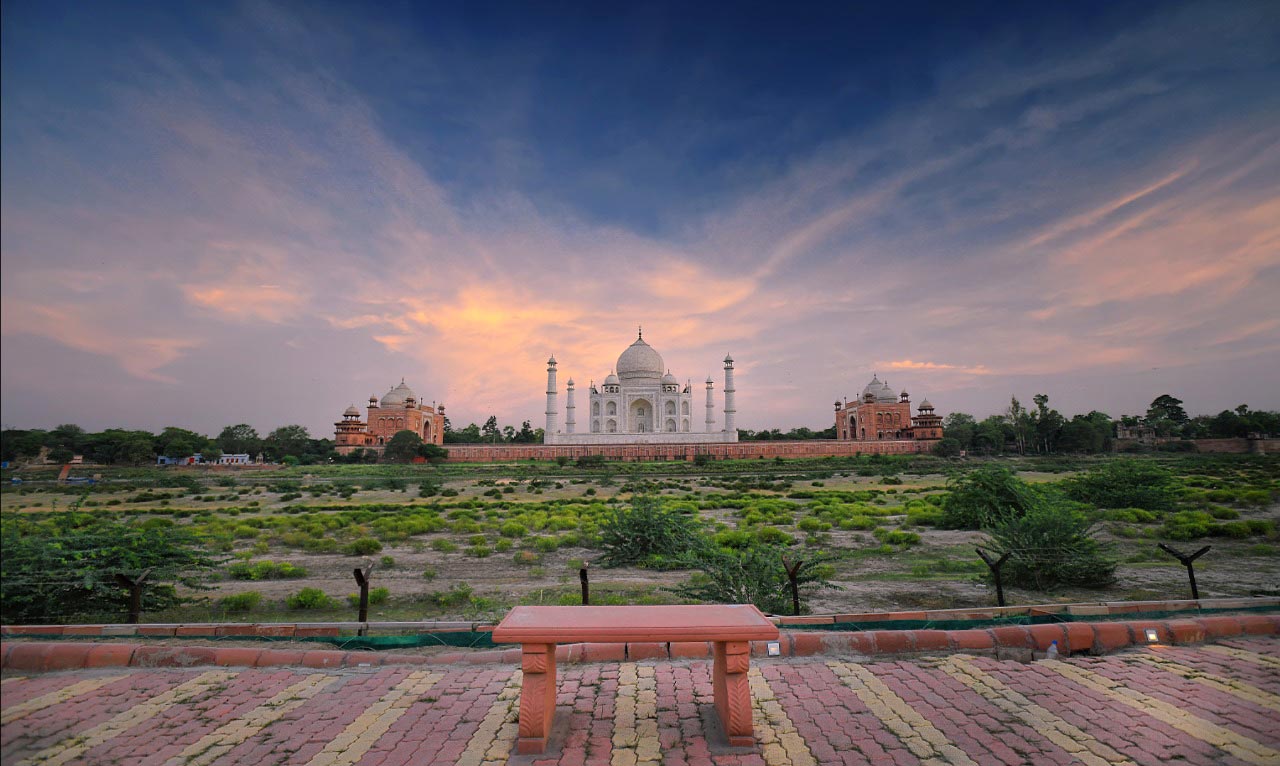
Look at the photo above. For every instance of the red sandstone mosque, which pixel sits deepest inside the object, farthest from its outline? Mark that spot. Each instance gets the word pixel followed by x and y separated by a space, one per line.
pixel 398 410
pixel 881 415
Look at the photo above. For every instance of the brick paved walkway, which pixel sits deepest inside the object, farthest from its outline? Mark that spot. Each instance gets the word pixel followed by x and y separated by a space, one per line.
pixel 1217 704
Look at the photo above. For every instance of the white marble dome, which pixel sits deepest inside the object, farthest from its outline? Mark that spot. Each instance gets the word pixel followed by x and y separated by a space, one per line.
pixel 640 363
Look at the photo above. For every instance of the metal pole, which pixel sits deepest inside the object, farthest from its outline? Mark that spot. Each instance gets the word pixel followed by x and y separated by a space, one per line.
pixel 792 575
pixel 134 584
pixel 994 566
pixel 362 579
pixel 586 587
pixel 1189 563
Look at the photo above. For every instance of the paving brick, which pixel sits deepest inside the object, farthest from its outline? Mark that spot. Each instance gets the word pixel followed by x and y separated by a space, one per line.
pixel 1220 627
pixel 275 657
pixel 1185 631
pixel 27 655
pixel 319 658
pixel 1079 638
pixel 1043 635
pixel 931 640
pixel 973 640
pixel 65 656
pixel 1257 624
pixel 173 656
pixel 237 657
pixel 1013 636
pixel 892 641
pixel 646 651
pixel 603 652
pixel 690 649
pixel 805 644
pixel 1110 636
pixel 109 655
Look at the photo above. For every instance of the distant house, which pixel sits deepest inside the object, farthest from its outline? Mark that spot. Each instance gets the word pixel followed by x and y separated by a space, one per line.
pixel 241 459
pixel 195 459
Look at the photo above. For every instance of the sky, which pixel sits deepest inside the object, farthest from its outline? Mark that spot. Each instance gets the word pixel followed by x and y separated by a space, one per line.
pixel 216 213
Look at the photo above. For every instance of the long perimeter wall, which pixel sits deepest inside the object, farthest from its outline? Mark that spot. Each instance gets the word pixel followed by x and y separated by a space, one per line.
pixel 489 453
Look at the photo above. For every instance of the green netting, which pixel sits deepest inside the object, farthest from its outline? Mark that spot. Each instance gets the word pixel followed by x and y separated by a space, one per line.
pixel 1022 619
pixel 461 639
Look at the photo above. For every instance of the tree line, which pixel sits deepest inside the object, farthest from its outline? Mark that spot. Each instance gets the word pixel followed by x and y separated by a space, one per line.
pixel 118 446
pixel 1039 429
pixel 1042 430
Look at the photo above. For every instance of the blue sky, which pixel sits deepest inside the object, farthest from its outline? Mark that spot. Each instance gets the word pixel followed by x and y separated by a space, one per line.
pixel 264 212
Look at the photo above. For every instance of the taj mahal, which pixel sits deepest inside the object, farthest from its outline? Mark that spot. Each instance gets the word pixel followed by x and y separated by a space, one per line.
pixel 639 402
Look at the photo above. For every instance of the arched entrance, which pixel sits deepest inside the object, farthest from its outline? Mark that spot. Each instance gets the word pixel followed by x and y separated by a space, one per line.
pixel 640 417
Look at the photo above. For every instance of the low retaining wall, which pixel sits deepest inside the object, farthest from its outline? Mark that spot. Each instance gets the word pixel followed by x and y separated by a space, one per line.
pixel 490 453
pixel 1017 641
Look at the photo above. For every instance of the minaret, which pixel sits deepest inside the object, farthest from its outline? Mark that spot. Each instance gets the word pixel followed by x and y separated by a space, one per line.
pixel 730 411
pixel 711 405
pixel 551 399
pixel 569 421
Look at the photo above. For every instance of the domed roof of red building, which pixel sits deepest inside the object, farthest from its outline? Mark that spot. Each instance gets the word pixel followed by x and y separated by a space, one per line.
pixel 396 397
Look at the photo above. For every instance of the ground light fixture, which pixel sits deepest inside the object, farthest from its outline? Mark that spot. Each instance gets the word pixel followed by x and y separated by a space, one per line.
pixel 775 648
pixel 1153 635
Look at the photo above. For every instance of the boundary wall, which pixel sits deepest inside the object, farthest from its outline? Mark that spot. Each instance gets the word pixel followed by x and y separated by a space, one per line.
pixel 763 450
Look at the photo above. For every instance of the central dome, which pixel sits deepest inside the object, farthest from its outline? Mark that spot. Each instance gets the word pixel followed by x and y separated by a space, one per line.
pixel 396 397
pixel 640 363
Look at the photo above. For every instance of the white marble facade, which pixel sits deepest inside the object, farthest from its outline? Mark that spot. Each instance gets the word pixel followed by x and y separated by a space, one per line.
pixel 640 402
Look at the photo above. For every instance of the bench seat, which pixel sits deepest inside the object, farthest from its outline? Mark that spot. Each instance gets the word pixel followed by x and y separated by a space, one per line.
pixel 729 627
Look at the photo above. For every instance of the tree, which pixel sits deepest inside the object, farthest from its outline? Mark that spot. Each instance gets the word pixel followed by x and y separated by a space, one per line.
pixel 1047 424
pixel 240 439
pixel 525 435
pixel 947 447
pixel 288 440
pixel 135 448
pixel 754 575
pixel 433 453
pixel 179 442
pixel 63 565
pixel 985 496
pixel 211 454
pixel 490 429
pixel 468 435
pixel 67 436
pixel 1125 484
pixel 402 447
pixel 1049 545
pixel 961 427
pixel 16 443
pixel 508 434
pixel 1166 414
pixel 1021 423
pixel 647 533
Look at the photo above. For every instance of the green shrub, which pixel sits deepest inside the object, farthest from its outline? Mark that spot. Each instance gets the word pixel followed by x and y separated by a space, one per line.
pixel 1125 484
pixel 458 595
pixel 896 537
pixel 754 575
pixel 637 534
pixel 265 570
pixel 512 529
pixel 365 546
pixel 387 562
pixel 241 602
pixel 376 596
pixel 985 496
pixel 443 545
pixel 478 551
pixel 309 598
pixel 526 558
pixel 1050 545
pixel 733 538
pixel 773 536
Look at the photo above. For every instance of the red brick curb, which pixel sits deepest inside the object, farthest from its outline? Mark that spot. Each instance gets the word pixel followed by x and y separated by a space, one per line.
pixel 1073 638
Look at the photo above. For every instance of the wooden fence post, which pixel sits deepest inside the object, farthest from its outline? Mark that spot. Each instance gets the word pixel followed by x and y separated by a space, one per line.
pixel 994 566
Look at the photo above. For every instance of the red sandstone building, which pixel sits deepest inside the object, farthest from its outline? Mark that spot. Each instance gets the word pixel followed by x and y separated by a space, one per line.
pixel 398 410
pixel 881 415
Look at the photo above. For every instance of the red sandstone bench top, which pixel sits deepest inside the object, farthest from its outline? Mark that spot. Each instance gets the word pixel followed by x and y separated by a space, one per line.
pixel 608 624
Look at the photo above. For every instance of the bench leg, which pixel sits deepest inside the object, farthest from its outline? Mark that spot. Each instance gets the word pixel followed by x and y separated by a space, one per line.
pixel 537 697
pixel 732 693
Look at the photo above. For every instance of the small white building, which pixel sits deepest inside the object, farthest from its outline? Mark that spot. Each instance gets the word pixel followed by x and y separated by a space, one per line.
pixel 238 459
pixel 640 402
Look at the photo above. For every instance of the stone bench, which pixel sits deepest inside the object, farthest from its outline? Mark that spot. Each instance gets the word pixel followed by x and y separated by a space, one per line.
pixel 538 629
